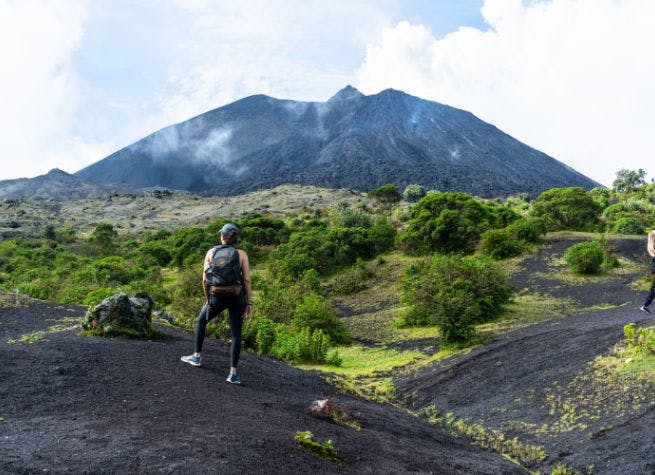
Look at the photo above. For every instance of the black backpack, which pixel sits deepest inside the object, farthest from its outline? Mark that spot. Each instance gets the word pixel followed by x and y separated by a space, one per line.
pixel 225 268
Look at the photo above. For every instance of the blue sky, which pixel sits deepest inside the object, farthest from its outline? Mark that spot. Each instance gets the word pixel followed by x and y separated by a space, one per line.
pixel 81 78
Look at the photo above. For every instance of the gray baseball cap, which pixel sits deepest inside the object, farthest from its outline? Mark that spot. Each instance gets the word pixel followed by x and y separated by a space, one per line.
pixel 229 228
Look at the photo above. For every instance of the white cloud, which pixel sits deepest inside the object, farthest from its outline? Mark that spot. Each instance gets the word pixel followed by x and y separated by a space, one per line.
pixel 573 78
pixel 38 88
pixel 290 49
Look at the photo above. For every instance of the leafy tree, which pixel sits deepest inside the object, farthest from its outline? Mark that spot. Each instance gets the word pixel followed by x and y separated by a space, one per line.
pixel 446 223
pixel 386 194
pixel 413 193
pixel 629 180
pixel 567 208
pixel 454 293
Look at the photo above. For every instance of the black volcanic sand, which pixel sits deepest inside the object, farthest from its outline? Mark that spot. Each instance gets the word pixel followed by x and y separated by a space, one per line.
pixel 507 382
pixel 84 404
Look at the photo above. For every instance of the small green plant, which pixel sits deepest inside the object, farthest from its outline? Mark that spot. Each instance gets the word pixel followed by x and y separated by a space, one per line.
pixel 561 469
pixel 641 340
pixel 334 358
pixel 585 257
pixel 28 338
pixel 324 450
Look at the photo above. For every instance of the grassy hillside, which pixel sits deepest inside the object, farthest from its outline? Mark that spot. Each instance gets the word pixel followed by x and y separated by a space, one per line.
pixel 465 312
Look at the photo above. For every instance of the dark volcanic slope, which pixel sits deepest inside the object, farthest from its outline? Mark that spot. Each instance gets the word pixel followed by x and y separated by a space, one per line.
pixel 60 185
pixel 350 141
pixel 94 405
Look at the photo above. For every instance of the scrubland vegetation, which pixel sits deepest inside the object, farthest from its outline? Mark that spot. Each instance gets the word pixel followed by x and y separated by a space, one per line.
pixel 302 262
pixel 373 289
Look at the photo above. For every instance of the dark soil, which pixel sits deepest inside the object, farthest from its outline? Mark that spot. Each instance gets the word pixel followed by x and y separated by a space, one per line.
pixel 506 384
pixel 81 404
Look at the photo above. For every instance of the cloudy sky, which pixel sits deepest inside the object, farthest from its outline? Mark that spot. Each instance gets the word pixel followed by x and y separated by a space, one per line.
pixel 80 79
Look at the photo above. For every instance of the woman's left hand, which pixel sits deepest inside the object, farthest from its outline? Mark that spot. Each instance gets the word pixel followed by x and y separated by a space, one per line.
pixel 248 312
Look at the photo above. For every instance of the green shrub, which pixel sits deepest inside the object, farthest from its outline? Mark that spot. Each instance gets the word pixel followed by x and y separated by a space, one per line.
pixel 386 194
pixel 500 244
pixel 413 193
pixel 302 346
pixel 353 280
pixel 447 223
pixel 334 358
pixel 528 230
pixel 315 313
pixel 629 225
pixel 610 260
pixel 585 257
pixel 454 293
pixel 567 208
pixel 601 196
pixel 96 296
pixel 354 218
pixel 326 249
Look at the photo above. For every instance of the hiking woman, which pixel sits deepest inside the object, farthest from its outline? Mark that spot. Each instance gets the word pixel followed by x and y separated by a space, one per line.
pixel 226 283
pixel 651 250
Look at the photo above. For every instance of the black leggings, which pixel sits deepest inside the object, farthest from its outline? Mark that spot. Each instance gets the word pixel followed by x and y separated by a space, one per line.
pixel 651 292
pixel 236 307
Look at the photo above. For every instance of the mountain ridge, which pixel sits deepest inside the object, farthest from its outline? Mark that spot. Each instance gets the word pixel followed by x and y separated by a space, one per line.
pixel 60 185
pixel 350 141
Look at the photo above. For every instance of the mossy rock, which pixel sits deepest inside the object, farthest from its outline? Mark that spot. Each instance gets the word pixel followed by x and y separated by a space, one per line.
pixel 120 315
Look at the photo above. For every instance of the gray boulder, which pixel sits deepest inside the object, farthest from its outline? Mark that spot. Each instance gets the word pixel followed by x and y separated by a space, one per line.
pixel 121 315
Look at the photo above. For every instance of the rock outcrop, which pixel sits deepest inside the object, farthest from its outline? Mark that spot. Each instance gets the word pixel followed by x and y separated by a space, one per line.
pixel 121 315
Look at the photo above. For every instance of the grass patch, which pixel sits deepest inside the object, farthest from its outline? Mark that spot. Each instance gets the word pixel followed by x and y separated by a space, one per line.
pixel 378 389
pixel 529 309
pixel 12 300
pixel 486 438
pixel 28 338
pixel 559 272
pixel 363 361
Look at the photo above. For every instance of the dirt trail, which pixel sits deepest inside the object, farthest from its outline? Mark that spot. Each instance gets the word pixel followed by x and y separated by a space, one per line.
pixel 93 405
pixel 515 383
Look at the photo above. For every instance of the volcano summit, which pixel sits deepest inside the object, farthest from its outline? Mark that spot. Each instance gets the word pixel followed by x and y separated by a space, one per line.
pixel 350 141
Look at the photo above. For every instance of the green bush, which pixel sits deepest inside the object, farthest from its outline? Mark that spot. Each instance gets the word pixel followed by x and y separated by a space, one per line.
pixel 567 208
pixel 629 225
pixel 585 257
pixel 326 249
pixel 500 244
pixel 96 296
pixel 610 260
pixel 386 194
pixel 528 230
pixel 446 223
pixel 353 280
pixel 314 312
pixel 302 346
pixel 354 218
pixel 454 293
pixel 413 193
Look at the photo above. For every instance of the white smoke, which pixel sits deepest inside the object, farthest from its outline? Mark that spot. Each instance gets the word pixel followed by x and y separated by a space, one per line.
pixel 214 149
